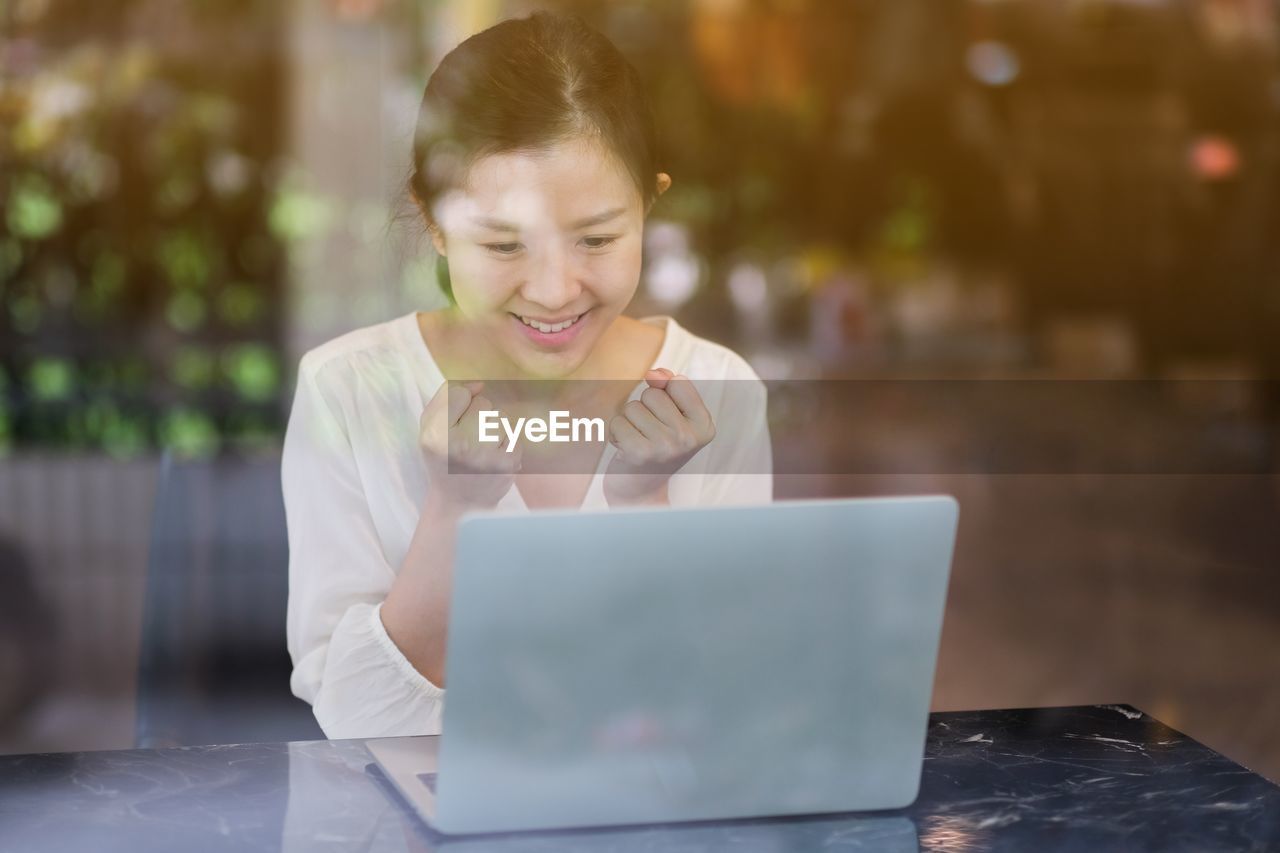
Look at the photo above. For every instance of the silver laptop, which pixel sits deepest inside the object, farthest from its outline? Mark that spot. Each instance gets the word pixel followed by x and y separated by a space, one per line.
pixel 651 666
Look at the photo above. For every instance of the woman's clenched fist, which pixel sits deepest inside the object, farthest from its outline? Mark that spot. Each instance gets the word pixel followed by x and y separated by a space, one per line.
pixel 655 436
pixel 465 472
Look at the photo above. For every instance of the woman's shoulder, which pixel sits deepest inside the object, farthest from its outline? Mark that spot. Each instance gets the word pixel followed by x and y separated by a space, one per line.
pixel 376 347
pixel 698 357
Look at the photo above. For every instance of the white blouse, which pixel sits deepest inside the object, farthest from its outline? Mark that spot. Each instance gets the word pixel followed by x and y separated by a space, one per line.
pixel 354 481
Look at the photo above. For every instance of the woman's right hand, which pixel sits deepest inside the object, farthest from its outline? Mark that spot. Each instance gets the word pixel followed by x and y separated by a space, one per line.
pixel 465 474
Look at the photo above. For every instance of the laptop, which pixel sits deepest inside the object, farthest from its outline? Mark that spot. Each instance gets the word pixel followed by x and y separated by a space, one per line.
pixel 665 665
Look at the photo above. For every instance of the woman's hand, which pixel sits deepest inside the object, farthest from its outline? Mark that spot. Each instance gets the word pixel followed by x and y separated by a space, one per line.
pixel 464 472
pixel 655 436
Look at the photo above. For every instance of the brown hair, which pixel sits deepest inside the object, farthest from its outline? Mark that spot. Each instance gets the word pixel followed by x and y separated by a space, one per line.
pixel 524 85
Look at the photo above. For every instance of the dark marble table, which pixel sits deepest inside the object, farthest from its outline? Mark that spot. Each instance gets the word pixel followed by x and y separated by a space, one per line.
pixel 1086 778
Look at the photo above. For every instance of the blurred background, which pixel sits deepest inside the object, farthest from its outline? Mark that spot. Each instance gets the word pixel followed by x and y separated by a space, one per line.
pixel 195 193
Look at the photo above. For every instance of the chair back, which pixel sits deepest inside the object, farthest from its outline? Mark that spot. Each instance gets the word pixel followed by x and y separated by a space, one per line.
pixel 214 667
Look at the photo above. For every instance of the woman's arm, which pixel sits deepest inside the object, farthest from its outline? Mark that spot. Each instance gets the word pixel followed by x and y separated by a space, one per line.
pixel 358 681
pixel 463 476
pixel 416 611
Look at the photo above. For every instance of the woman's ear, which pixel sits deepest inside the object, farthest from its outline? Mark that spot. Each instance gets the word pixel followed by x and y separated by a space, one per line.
pixel 437 238
pixel 662 184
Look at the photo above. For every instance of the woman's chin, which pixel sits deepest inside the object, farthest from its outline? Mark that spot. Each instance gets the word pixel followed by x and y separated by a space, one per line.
pixel 550 365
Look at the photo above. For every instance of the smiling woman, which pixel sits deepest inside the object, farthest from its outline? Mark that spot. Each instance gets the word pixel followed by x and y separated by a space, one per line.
pixel 535 165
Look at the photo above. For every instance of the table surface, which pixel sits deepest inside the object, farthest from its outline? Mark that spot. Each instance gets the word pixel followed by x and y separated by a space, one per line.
pixel 1082 778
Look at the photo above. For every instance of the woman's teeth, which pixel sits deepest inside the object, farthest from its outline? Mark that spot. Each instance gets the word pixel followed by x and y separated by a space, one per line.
pixel 549 328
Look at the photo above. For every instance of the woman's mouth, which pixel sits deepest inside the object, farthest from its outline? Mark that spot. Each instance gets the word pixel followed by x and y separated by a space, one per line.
pixel 551 330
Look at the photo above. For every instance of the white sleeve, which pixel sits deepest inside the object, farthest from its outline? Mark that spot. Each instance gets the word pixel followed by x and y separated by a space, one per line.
pixel 356 679
pixel 739 466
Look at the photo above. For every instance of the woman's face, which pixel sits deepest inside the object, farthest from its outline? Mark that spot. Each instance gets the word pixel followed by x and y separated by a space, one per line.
pixel 544 251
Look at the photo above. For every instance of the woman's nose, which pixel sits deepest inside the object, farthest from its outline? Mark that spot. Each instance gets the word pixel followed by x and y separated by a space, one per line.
pixel 552 282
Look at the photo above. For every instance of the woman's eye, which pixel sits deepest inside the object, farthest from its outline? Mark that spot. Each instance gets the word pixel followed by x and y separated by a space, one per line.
pixel 597 242
pixel 503 248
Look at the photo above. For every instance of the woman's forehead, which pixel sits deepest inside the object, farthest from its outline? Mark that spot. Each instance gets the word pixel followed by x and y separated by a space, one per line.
pixel 564 183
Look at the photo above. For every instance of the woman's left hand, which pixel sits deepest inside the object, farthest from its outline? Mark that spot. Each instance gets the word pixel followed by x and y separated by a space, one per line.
pixel 655 436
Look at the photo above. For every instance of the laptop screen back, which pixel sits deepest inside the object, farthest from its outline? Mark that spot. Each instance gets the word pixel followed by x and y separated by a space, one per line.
pixel 655 665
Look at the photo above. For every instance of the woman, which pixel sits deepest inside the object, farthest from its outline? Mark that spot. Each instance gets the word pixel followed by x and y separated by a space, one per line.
pixel 534 168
